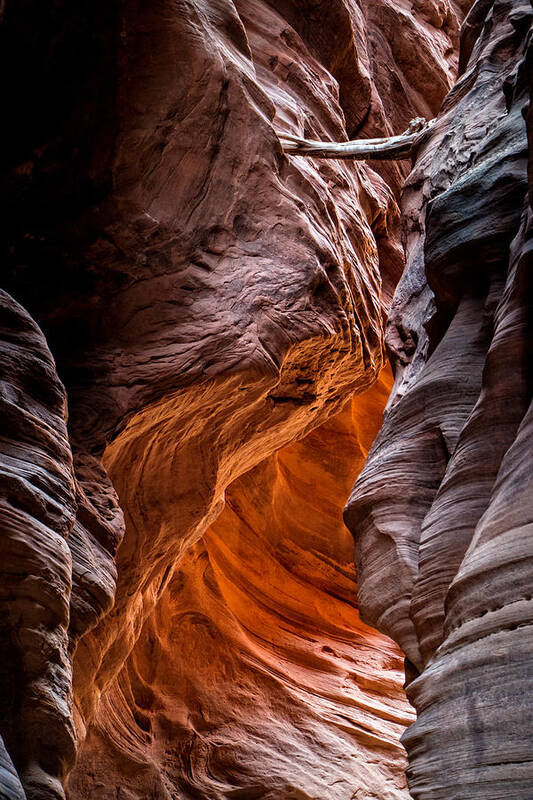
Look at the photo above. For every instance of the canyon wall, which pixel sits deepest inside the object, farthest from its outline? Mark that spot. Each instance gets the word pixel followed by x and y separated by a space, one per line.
pixel 443 511
pixel 177 589
pixel 254 677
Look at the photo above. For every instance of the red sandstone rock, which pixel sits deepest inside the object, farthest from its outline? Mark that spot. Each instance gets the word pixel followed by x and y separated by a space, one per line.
pixel 254 676
pixel 208 302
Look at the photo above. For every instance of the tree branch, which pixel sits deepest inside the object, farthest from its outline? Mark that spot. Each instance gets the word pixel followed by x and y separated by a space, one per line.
pixel 393 148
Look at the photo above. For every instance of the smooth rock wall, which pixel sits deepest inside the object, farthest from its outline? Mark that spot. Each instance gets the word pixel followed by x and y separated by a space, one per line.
pixel 445 502
pixel 254 676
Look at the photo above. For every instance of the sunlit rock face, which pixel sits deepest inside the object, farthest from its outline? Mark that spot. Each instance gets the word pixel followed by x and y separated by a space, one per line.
pixel 445 502
pixel 254 676
pixel 208 302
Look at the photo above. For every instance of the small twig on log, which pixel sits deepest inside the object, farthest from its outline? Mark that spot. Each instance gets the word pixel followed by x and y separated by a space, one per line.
pixel 393 148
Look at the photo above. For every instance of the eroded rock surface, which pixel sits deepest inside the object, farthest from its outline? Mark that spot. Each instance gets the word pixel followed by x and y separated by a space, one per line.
pixel 37 508
pixel 445 503
pixel 207 302
pixel 254 676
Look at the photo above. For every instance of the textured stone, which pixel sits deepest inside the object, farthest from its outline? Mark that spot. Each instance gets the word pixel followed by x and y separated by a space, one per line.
pixel 208 302
pixel 445 500
pixel 37 505
pixel 254 677
pixel 10 785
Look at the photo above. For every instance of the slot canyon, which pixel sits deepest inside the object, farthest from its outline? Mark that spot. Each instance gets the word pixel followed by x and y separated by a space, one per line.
pixel 266 464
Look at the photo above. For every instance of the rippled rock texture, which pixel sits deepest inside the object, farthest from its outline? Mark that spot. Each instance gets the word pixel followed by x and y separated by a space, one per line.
pixel 254 676
pixel 443 511
pixel 209 308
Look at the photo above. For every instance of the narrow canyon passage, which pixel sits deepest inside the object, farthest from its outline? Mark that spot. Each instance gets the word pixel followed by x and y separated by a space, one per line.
pixel 223 362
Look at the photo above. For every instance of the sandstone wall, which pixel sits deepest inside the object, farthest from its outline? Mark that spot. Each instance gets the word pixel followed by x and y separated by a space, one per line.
pixel 254 677
pixel 205 303
pixel 444 503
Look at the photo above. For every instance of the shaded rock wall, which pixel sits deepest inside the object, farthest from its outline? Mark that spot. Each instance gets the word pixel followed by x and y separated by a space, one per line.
pixel 207 302
pixel 445 501
pixel 37 509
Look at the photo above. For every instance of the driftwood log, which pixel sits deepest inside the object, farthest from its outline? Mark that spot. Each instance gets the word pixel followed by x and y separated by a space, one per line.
pixel 390 148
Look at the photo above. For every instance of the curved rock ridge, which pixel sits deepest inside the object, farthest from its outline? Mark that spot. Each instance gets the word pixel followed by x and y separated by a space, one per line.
pixel 37 510
pixel 207 301
pixel 254 676
pixel 445 502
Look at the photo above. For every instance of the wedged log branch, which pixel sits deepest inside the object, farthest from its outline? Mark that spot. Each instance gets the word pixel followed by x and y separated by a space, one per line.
pixel 392 148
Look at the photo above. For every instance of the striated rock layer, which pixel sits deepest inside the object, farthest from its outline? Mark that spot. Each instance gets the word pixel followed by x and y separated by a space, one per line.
pixel 37 508
pixel 205 303
pixel 254 677
pixel 445 502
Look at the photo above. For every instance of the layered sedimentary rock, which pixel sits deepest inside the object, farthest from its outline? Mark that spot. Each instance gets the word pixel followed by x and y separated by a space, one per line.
pixel 207 302
pixel 445 503
pixel 254 676
pixel 37 508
